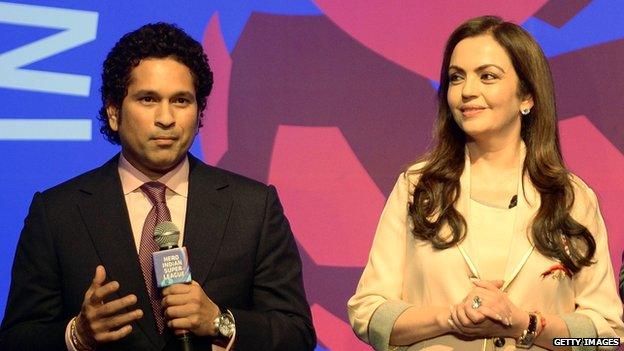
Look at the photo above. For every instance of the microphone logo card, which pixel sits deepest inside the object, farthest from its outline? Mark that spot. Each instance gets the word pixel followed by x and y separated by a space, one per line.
pixel 171 267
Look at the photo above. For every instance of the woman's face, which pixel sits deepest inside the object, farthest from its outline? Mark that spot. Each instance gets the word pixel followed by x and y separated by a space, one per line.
pixel 483 89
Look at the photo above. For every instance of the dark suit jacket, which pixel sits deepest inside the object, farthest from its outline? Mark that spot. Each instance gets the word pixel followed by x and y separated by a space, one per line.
pixel 241 251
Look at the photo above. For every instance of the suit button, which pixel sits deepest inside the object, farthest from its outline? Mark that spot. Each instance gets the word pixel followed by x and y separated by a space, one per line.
pixel 499 342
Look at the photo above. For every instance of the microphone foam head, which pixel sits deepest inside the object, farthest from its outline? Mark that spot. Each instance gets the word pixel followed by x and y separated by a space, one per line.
pixel 166 235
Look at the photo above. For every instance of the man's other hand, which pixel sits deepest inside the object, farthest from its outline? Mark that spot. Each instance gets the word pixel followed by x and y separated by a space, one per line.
pixel 103 321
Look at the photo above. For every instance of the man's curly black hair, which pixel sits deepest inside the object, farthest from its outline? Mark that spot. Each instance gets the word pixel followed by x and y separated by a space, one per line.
pixel 154 40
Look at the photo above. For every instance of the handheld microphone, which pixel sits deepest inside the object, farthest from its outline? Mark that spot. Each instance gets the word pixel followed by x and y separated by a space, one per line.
pixel 171 265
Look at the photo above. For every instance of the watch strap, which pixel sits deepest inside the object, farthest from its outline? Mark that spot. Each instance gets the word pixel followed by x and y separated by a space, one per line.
pixel 529 334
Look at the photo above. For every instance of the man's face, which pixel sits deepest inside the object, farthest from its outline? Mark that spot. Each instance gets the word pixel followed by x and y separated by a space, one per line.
pixel 157 121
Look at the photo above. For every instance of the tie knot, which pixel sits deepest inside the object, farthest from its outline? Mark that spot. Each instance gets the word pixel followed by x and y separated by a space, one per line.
pixel 155 191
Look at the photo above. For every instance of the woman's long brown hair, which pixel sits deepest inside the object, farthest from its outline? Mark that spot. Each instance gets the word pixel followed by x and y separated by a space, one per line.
pixel 554 232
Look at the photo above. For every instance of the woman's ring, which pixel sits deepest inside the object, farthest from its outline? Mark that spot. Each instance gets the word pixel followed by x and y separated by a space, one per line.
pixel 476 302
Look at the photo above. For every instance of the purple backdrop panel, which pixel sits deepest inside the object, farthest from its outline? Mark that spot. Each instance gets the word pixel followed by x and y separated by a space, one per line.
pixel 300 70
pixel 559 12
pixel 589 82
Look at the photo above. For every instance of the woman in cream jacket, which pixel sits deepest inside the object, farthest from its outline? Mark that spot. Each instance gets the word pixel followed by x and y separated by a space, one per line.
pixel 489 242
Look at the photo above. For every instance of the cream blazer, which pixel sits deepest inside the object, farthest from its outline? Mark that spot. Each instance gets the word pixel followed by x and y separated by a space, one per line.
pixel 402 272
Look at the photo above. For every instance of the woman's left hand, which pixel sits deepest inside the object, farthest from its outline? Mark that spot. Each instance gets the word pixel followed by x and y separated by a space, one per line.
pixel 494 316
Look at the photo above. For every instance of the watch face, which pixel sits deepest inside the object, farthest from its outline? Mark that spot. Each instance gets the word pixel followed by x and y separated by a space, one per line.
pixel 526 341
pixel 226 325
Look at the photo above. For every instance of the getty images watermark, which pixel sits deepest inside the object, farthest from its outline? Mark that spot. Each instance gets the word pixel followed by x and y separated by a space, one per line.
pixel 586 342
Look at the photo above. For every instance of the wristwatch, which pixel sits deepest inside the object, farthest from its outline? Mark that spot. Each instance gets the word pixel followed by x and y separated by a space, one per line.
pixel 529 334
pixel 224 323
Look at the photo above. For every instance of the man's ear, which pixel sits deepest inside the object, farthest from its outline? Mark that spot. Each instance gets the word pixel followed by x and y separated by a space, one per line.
pixel 113 117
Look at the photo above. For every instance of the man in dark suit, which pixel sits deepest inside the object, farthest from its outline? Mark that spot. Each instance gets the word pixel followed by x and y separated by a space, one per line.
pixel 82 275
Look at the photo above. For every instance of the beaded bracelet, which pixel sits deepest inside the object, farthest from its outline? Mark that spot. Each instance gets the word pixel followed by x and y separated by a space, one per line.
pixel 542 322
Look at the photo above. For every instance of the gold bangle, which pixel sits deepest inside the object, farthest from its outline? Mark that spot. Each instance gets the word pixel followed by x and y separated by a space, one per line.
pixel 78 344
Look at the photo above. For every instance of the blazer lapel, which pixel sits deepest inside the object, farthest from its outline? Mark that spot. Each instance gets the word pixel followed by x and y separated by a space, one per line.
pixel 207 213
pixel 467 247
pixel 104 213
pixel 521 246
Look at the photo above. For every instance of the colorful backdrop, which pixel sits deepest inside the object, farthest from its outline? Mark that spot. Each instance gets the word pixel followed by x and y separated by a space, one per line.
pixel 326 99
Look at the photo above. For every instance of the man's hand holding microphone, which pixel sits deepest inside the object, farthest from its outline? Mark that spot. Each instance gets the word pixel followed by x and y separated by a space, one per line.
pixel 185 305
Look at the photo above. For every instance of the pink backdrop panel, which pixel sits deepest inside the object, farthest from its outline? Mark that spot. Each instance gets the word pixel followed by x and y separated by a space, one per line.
pixel 600 164
pixel 404 31
pixel 329 197
pixel 213 136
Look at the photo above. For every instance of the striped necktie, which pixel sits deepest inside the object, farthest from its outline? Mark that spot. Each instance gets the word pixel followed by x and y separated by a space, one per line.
pixel 155 192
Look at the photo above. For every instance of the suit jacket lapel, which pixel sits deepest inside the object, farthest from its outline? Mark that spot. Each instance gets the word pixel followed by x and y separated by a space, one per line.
pixel 103 210
pixel 207 213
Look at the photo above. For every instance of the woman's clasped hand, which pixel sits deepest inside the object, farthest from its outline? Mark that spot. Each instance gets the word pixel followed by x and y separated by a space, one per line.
pixel 486 311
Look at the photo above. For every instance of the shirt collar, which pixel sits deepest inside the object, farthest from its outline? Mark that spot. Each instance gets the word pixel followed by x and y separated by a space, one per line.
pixel 176 179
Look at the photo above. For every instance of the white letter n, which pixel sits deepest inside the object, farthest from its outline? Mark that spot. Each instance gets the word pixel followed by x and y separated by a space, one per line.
pixel 79 27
